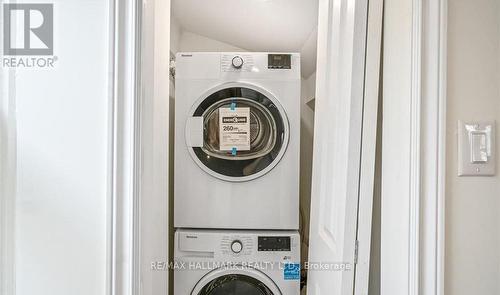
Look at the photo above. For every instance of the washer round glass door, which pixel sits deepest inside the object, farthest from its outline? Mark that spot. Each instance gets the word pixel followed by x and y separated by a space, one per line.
pixel 236 280
pixel 265 131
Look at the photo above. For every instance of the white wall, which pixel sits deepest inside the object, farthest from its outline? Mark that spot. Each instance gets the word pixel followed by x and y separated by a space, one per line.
pixel 308 92
pixel 472 263
pixel 189 41
pixel 60 205
pixel 175 34
pixel 308 54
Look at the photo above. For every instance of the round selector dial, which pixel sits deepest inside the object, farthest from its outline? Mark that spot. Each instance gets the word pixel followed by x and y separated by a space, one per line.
pixel 237 62
pixel 236 246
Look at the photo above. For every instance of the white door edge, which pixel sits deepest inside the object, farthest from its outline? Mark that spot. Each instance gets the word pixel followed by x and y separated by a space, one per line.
pixel 369 145
pixel 337 144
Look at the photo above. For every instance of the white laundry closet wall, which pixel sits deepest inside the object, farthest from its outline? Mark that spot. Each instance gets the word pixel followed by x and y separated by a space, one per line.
pixel 56 216
pixel 308 90
pixel 472 264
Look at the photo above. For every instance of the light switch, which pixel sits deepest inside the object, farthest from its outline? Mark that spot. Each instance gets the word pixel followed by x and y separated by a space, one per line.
pixel 479 153
pixel 476 148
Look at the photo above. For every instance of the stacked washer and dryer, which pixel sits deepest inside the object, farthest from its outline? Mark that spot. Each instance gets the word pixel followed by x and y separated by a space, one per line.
pixel 236 188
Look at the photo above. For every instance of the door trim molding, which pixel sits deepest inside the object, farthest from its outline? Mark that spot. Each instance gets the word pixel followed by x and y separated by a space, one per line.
pixel 413 166
pixel 8 164
pixel 433 140
pixel 123 251
pixel 415 148
pixel 153 143
pixel 140 148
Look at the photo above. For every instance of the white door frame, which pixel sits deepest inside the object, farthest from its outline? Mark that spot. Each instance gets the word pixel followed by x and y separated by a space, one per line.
pixel 125 152
pixel 433 157
pixel 413 168
pixel 139 247
pixel 154 145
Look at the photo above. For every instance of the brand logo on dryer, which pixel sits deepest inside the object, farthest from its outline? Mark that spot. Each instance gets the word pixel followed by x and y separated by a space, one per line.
pixel 234 119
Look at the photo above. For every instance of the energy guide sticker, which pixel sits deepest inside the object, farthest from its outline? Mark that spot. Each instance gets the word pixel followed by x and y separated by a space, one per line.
pixel 234 129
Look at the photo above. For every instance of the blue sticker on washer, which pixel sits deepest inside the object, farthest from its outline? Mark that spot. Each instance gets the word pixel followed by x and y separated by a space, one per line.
pixel 291 271
pixel 233 106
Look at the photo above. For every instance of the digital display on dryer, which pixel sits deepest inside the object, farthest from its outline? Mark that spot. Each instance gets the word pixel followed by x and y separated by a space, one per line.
pixel 274 244
pixel 279 61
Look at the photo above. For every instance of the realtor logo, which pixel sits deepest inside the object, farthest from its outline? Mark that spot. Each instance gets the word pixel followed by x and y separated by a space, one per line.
pixel 28 29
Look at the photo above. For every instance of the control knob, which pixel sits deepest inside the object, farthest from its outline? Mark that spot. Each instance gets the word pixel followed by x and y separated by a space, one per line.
pixel 237 62
pixel 236 246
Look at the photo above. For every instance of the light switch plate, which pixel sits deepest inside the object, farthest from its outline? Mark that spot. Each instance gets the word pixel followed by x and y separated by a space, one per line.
pixel 476 148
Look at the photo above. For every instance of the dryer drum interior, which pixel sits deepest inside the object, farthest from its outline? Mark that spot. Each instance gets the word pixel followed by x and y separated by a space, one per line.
pixel 268 128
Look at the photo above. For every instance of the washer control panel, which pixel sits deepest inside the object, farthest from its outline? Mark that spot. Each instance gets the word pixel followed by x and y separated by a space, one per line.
pixel 237 245
pixel 237 63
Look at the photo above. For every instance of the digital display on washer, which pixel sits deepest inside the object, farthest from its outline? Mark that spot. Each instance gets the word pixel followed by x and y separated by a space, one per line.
pixel 279 61
pixel 274 243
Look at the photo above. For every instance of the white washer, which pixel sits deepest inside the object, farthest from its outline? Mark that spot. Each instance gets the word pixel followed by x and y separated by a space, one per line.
pixel 215 262
pixel 239 170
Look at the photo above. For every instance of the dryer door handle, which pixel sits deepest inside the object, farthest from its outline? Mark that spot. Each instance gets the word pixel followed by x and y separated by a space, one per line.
pixel 194 132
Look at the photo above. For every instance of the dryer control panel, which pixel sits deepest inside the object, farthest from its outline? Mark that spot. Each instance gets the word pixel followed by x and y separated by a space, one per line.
pixel 234 66
pixel 237 63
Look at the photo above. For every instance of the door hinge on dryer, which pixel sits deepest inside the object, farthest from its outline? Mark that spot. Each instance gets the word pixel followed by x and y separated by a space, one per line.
pixel 356 250
pixel 172 67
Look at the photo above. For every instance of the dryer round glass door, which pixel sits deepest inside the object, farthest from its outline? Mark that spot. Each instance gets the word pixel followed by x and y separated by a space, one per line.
pixel 245 132
pixel 236 280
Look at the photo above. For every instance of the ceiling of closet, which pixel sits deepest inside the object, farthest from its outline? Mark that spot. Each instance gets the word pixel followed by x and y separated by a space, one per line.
pixel 255 25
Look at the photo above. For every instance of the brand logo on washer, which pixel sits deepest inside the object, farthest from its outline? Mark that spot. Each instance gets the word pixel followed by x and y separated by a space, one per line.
pixel 191 237
pixel 234 119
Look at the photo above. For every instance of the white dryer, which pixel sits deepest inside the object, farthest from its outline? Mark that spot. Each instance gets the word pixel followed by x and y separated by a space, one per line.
pixel 237 133
pixel 216 262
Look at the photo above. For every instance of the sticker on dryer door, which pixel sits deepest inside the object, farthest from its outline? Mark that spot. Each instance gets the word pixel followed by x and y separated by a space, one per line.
pixel 234 129
pixel 291 271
